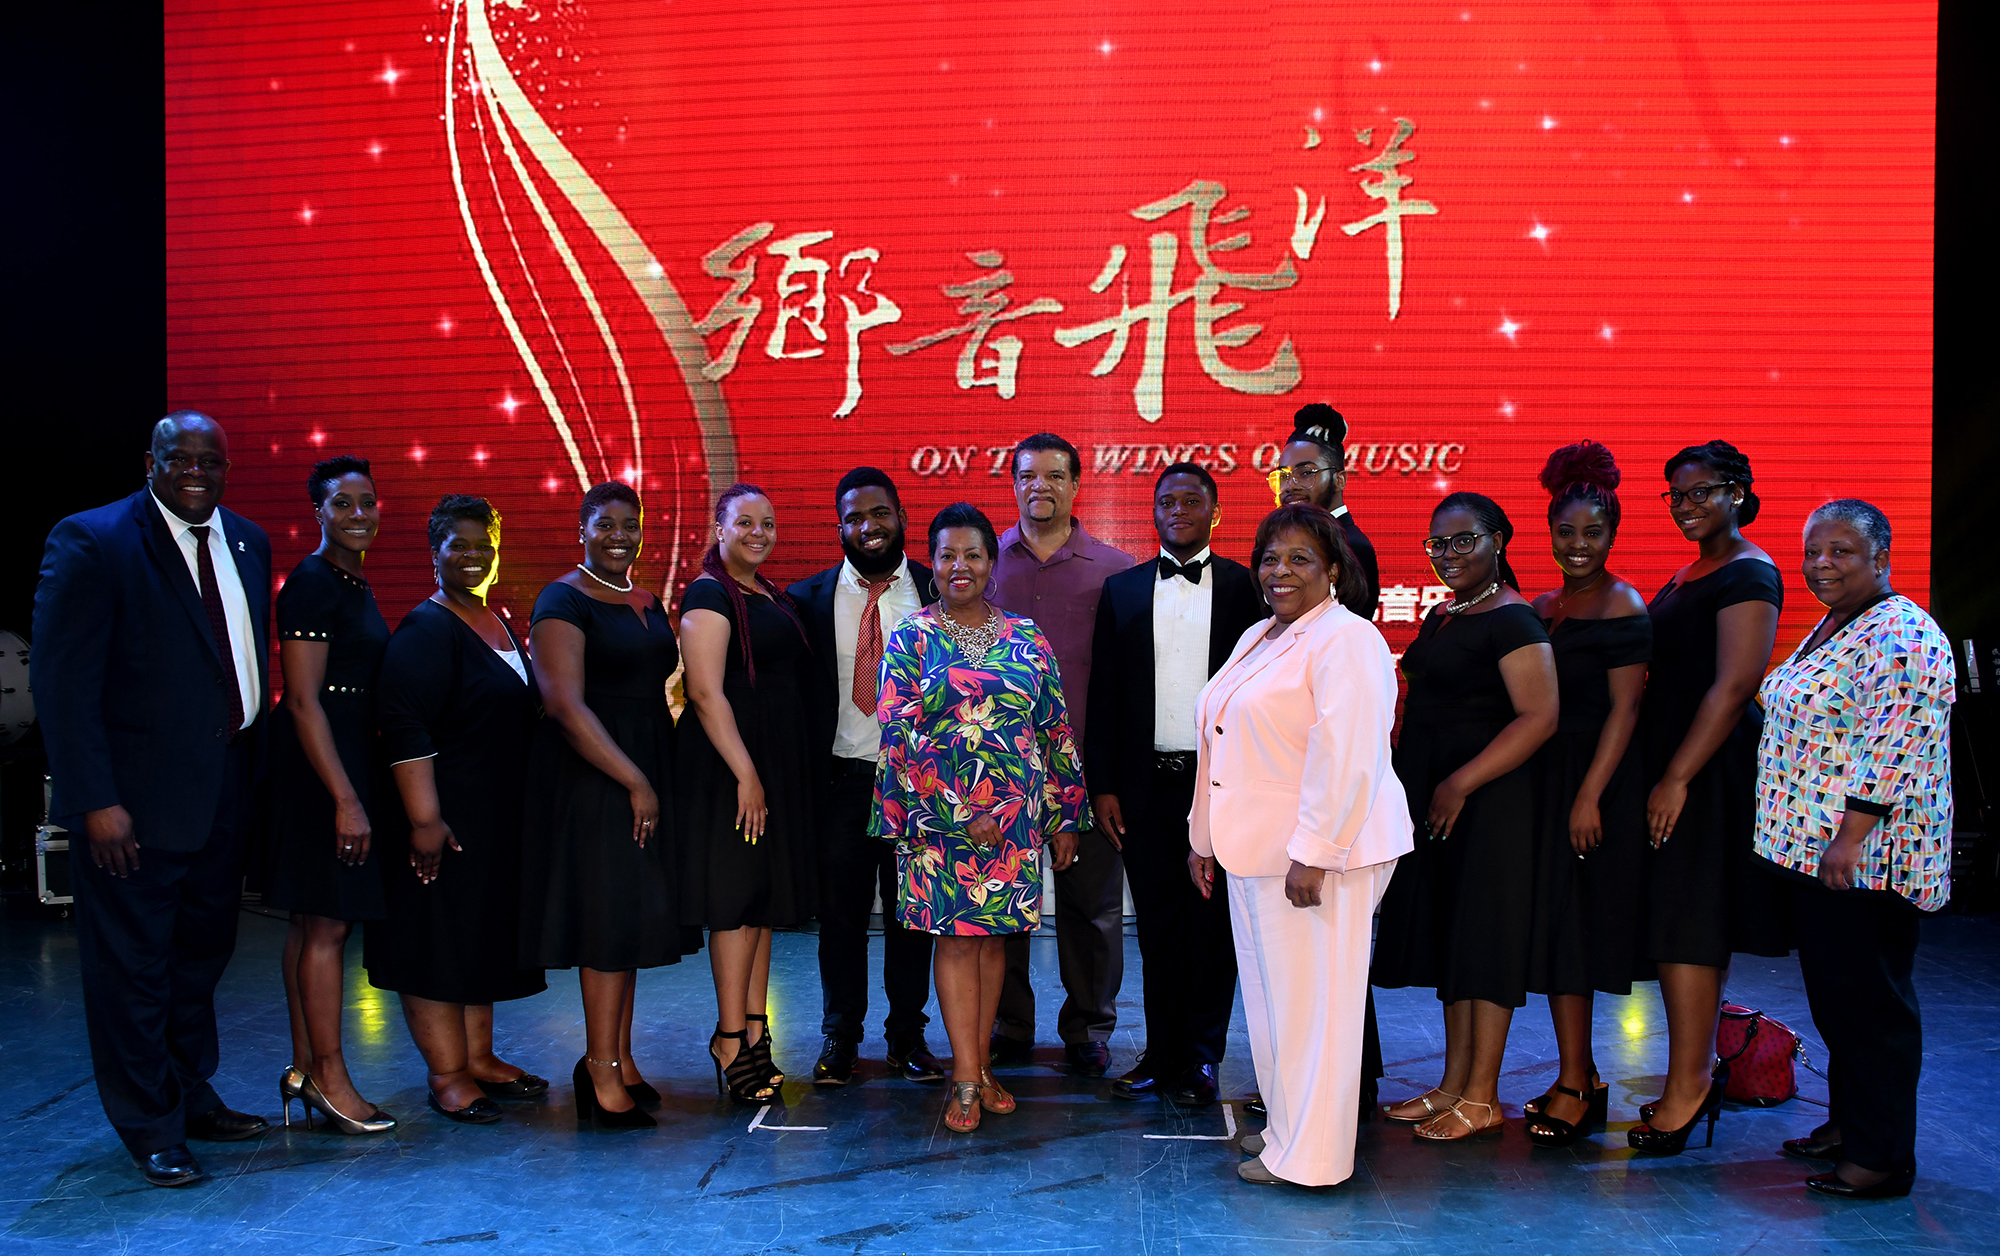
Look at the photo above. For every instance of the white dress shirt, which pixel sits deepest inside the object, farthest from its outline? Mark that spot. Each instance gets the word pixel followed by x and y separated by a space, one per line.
pixel 1181 617
pixel 858 736
pixel 235 603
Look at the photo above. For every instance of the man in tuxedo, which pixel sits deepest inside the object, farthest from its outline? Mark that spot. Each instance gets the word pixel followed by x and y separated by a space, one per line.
pixel 1312 467
pixel 1163 628
pixel 850 609
pixel 150 672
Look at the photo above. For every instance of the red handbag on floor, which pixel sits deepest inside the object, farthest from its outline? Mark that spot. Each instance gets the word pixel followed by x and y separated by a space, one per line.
pixel 1753 1057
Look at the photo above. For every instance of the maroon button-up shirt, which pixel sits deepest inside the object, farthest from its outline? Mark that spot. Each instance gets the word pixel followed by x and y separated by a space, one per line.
pixel 1060 595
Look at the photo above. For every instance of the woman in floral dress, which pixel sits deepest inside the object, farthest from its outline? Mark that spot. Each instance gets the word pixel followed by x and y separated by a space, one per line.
pixel 978 775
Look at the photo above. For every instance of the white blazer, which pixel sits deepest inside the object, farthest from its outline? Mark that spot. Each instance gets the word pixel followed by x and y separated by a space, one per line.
pixel 1294 755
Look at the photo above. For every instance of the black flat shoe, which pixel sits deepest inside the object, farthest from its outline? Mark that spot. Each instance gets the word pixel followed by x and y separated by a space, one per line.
pixel 170 1166
pixel 481 1111
pixel 1088 1059
pixel 221 1125
pixel 835 1066
pixel 913 1062
pixel 1644 1137
pixel 526 1086
pixel 1004 1052
pixel 1811 1148
pixel 1195 1088
pixel 1140 1080
pixel 1895 1186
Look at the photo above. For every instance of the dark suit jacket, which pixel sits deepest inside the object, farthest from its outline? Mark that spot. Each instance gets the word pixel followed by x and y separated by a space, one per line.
pixel 1364 549
pixel 129 687
pixel 1118 745
pixel 814 594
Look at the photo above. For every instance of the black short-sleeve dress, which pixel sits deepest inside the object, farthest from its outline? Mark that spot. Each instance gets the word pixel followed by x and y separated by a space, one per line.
pixel 1457 916
pixel 729 883
pixel 1707 896
pixel 1590 913
pixel 322 603
pixel 445 695
pixel 593 897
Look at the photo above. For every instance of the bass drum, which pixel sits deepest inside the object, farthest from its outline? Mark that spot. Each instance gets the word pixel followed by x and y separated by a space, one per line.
pixel 17 701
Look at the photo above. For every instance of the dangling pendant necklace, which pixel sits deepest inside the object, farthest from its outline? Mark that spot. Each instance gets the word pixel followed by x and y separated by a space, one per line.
pixel 1453 608
pixel 621 588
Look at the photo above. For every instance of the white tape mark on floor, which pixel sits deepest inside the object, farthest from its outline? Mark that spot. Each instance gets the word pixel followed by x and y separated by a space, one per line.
pixel 757 1123
pixel 1228 1122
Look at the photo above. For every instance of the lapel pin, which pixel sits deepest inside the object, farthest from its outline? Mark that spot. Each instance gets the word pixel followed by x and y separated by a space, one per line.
pixel 240 549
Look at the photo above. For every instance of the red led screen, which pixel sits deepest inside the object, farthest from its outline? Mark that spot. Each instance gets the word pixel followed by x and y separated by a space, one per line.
pixel 515 247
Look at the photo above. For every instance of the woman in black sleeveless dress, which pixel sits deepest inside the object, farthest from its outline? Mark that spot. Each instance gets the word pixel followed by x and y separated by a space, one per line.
pixel 324 769
pixel 457 709
pixel 1591 858
pixel 1714 625
pixel 600 865
pixel 745 769
pixel 1457 915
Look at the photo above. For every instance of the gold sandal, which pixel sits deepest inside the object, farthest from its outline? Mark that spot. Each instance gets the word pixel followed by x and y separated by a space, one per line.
pixel 992 1096
pixel 1497 1124
pixel 961 1109
pixel 1430 1111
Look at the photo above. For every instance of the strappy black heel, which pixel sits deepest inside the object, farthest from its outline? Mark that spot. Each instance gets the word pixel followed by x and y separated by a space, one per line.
pixel 743 1079
pixel 1548 1131
pixel 761 1049
pixel 1600 1101
pixel 1673 1142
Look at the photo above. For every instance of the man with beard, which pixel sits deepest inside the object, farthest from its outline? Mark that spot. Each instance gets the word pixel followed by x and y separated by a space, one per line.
pixel 850 609
pixel 1312 468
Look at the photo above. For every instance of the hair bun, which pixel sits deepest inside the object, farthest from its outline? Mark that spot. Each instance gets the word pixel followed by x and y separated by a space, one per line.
pixel 1318 421
pixel 1586 462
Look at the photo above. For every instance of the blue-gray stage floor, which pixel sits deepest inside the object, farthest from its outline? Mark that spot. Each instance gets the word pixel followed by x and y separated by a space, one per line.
pixel 871 1168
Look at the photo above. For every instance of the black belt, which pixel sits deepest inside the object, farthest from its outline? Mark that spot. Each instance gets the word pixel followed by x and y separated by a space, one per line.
pixel 1173 760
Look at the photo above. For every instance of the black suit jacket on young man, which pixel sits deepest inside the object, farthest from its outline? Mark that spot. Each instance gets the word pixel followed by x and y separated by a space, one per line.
pixel 814 595
pixel 1118 747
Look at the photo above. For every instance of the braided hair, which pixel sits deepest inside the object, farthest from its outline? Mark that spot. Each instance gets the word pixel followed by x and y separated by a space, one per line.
pixel 1493 519
pixel 1583 472
pixel 712 565
pixel 1726 461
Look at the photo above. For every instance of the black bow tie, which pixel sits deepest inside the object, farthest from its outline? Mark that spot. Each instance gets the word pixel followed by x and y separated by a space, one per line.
pixel 1191 572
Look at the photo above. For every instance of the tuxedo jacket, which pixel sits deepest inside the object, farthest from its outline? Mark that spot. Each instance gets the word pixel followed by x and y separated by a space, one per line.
pixel 131 692
pixel 1118 741
pixel 814 594
pixel 1364 552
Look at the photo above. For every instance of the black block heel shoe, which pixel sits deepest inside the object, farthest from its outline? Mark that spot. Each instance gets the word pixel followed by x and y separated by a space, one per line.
pixel 1600 1102
pixel 1548 1131
pixel 1673 1142
pixel 591 1112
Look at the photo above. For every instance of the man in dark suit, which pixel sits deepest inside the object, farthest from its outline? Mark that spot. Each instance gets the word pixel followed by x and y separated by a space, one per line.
pixel 150 674
pixel 1163 628
pixel 1312 467
pixel 850 609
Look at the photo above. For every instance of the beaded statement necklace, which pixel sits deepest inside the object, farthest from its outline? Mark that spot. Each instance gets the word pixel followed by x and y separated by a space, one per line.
pixel 1453 608
pixel 973 642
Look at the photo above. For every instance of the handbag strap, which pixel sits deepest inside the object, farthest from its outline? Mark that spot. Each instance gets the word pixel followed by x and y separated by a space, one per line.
pixel 1749 1036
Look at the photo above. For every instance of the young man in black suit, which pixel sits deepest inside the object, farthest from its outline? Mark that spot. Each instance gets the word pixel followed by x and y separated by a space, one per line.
pixel 1312 467
pixel 150 669
pixel 1163 628
pixel 850 609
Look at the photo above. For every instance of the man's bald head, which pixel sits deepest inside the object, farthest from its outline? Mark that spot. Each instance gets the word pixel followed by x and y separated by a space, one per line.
pixel 188 464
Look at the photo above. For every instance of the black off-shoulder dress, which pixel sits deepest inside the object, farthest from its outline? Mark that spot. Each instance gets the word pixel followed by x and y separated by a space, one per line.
pixel 1458 913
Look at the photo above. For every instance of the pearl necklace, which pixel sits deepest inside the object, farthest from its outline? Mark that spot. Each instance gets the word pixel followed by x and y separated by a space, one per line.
pixel 975 641
pixel 624 588
pixel 1453 608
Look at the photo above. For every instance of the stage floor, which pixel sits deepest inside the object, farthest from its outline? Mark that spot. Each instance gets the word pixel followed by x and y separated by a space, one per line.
pixel 871 1168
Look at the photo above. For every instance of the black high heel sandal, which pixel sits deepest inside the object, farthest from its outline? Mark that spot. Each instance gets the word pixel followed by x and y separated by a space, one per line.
pixel 1549 1131
pixel 761 1049
pixel 1644 1137
pixel 1600 1101
pixel 743 1079
pixel 590 1112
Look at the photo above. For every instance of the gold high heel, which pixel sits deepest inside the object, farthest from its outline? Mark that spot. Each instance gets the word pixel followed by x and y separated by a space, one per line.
pixel 290 1083
pixel 309 1095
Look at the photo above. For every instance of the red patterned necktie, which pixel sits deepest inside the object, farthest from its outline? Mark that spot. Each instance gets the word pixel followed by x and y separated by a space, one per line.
pixel 868 648
pixel 218 623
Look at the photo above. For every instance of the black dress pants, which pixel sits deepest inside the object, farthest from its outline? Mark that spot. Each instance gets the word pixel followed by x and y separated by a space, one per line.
pixel 1090 950
pixel 1856 950
pixel 152 947
pixel 853 868
pixel 1185 942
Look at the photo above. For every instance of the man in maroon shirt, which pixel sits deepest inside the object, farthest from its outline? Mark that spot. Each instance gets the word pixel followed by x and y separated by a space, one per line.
pixel 1052 570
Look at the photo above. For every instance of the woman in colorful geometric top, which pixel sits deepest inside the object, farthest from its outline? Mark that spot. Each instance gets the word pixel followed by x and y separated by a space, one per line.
pixel 1854 808
pixel 978 773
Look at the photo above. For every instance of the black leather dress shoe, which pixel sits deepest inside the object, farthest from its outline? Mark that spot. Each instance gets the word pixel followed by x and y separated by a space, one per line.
pixel 1140 1080
pixel 1195 1088
pixel 836 1062
pixel 170 1166
pixel 1003 1051
pixel 1088 1059
pixel 1895 1186
pixel 913 1062
pixel 1254 1105
pixel 1811 1148
pixel 221 1125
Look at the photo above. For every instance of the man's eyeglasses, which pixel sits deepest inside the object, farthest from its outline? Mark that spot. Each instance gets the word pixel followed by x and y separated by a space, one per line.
pixel 1303 471
pixel 1458 543
pixel 1697 494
